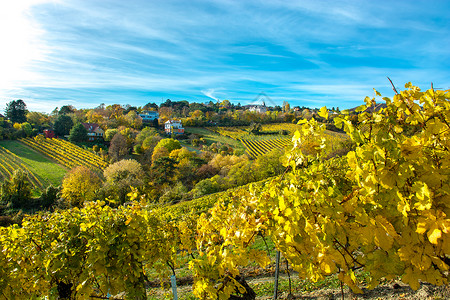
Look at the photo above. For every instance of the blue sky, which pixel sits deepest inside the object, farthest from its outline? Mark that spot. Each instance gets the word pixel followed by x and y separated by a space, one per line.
pixel 309 53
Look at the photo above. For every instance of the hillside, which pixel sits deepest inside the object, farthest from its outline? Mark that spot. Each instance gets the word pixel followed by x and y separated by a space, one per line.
pixel 47 170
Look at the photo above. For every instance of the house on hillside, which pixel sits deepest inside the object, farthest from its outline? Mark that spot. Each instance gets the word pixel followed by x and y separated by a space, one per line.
pixel 173 126
pixel 49 134
pixel 149 116
pixel 95 133
pixel 257 108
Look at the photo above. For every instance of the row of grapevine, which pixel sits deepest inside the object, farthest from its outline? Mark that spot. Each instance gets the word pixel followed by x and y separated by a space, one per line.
pixel 256 148
pixel 66 153
pixel 241 132
pixel 201 204
pixel 276 127
pixel 232 132
pixel 9 162
pixel 260 144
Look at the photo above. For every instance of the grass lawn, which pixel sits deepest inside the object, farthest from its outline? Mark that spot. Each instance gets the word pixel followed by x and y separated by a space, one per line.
pixel 212 137
pixel 43 167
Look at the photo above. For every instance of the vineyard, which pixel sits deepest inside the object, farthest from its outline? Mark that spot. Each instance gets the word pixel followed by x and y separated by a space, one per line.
pixel 9 162
pixel 241 132
pixel 257 145
pixel 382 209
pixel 66 153
pixel 255 148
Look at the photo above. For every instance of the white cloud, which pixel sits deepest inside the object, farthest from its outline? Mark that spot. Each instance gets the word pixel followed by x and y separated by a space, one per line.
pixel 19 36
pixel 210 93
pixel 72 48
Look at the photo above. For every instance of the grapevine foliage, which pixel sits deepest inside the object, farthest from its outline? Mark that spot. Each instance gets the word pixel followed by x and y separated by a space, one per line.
pixel 79 253
pixel 384 207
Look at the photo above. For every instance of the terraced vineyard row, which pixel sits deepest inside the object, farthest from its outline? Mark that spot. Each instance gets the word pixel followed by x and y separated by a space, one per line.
pixel 260 147
pixel 66 153
pixel 260 144
pixel 241 132
pixel 9 162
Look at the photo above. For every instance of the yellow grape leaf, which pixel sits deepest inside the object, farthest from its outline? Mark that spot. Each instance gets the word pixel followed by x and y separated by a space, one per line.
pixel 223 232
pixel 398 129
pixel 338 122
pixel 422 226
pixel 281 204
pixel 438 262
pixel 386 225
pixel 433 235
pixel 302 121
pixel 361 108
pixel 411 148
pixel 387 179
pixel 412 278
pixel 328 266
pixel 323 112
pixel 421 261
pixel 83 227
pixel 423 195
pixel 402 205
pixel 383 240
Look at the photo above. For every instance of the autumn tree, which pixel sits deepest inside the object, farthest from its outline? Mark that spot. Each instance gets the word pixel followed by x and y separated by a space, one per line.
pixel 93 116
pixel 78 133
pixel 16 192
pixel 67 109
pixel 118 147
pixel 79 185
pixel 120 177
pixel 25 129
pixel 16 111
pixel 146 140
pixel 63 125
pixel 159 152
pixel 174 194
pixel 48 197
pixel 255 128
pixel 110 133
pixel 37 119
pixel 133 120
pixel 286 106
pixel 170 144
pixel 163 170
pixel 197 114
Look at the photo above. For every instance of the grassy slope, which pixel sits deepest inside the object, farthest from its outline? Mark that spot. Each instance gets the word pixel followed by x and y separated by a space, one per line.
pixel 212 137
pixel 38 163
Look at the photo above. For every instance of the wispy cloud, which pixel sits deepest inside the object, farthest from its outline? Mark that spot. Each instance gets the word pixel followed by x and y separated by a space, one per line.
pixel 311 52
pixel 210 93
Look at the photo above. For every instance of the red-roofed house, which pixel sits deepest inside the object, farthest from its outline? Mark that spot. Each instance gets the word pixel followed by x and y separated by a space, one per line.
pixel 94 131
pixel 49 134
pixel 173 126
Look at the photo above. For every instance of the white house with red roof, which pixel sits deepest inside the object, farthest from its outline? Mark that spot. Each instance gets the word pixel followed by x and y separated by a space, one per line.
pixel 173 126
pixel 94 131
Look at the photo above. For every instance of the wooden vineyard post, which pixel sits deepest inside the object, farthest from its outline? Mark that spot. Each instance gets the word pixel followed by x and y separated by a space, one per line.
pixel 277 271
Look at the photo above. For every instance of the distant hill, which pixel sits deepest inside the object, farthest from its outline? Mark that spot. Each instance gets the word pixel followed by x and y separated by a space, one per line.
pixel 370 109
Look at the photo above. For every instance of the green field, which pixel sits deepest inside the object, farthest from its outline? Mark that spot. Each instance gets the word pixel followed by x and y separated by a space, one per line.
pixel 45 168
pixel 213 137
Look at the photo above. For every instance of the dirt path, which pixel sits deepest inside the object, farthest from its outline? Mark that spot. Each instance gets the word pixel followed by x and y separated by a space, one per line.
pixel 392 291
